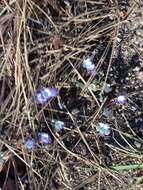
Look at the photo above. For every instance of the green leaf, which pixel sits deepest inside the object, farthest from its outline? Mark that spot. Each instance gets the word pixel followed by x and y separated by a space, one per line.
pixel 92 87
pixel 127 167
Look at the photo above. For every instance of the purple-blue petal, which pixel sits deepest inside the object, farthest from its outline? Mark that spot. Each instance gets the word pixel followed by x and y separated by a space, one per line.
pixel 44 94
pixel 30 144
pixel 59 125
pixel 44 138
pixel 121 100
pixel 89 66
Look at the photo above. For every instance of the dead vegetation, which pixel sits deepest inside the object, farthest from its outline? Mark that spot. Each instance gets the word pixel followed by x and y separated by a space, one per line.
pixel 44 43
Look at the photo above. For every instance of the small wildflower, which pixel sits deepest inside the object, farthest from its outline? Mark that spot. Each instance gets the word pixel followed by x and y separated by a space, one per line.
pixel 30 144
pixel 107 112
pixel 44 138
pixel 103 129
pixel 121 100
pixel 58 125
pixel 108 88
pixel 88 65
pixel 44 94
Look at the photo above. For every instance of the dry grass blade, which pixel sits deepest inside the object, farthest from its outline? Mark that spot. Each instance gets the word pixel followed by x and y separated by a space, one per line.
pixel 48 87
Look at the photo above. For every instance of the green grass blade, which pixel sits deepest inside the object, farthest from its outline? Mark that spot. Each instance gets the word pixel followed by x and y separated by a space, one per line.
pixel 127 167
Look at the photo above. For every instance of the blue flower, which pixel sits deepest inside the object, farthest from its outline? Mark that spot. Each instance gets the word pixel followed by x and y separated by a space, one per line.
pixel 45 94
pixel 88 65
pixel 44 138
pixel 58 125
pixel 103 129
pixel 30 144
pixel 121 100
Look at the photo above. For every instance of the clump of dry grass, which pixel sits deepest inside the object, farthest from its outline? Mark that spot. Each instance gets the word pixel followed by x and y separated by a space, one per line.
pixel 44 44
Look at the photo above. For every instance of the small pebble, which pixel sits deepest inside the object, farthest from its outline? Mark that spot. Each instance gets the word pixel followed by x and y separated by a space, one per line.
pixel 44 138
pixel 30 144
pixel 103 129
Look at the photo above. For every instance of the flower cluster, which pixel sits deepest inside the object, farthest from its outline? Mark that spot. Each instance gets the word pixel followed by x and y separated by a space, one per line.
pixel 44 94
pixel 44 138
